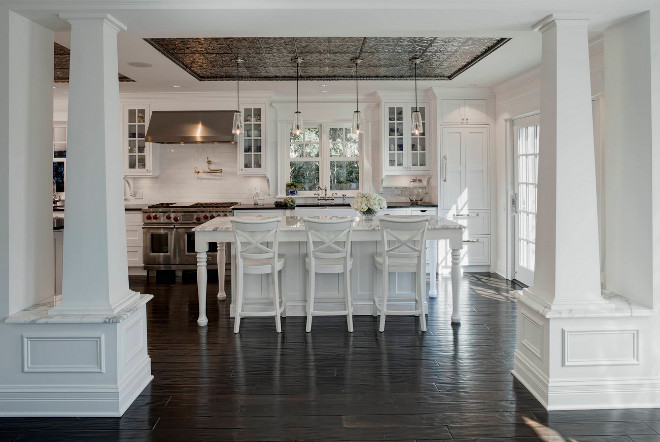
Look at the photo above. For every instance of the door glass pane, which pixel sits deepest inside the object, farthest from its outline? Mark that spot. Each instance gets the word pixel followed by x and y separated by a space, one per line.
pixel 131 116
pixel 131 161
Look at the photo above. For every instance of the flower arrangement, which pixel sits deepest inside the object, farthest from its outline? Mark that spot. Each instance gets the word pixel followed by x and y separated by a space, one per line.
pixel 292 188
pixel 368 203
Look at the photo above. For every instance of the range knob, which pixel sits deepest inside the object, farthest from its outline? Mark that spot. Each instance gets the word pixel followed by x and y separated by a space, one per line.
pixel 176 218
pixel 168 216
pixel 224 214
pixel 198 219
pixel 206 216
pixel 148 217
pixel 155 217
pixel 212 216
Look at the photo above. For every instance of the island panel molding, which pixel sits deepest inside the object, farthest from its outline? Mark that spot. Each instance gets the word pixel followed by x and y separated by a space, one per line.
pixel 326 58
pixel 63 353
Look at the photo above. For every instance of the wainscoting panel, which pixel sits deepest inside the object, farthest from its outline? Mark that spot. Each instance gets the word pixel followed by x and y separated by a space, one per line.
pixel 600 347
pixel 63 353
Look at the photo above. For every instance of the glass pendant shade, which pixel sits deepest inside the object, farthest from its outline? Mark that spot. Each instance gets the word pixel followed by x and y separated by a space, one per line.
pixel 416 127
pixel 237 126
pixel 297 128
pixel 356 122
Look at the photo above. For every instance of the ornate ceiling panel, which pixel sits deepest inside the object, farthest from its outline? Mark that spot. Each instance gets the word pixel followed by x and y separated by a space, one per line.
pixel 326 58
pixel 62 61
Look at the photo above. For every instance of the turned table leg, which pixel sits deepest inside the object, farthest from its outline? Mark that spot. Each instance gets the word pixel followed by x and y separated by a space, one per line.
pixel 222 261
pixel 201 286
pixel 455 285
pixel 433 271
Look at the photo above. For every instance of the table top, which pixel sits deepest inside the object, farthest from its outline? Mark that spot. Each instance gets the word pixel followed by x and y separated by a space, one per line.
pixel 296 223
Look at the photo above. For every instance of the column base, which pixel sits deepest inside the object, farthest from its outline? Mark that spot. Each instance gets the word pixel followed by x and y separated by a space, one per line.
pixel 588 359
pixel 591 306
pixel 120 303
pixel 73 368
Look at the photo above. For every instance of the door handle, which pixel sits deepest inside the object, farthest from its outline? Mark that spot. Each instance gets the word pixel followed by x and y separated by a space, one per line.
pixel 514 202
pixel 444 168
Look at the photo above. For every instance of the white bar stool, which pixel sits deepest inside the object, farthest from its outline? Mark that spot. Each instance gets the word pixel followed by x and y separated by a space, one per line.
pixel 329 251
pixel 256 254
pixel 403 251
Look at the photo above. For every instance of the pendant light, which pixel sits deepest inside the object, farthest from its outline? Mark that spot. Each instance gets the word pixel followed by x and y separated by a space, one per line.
pixel 237 125
pixel 356 114
pixel 297 128
pixel 416 127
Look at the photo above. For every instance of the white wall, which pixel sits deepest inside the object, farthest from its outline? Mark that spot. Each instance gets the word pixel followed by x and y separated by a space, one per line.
pixel 26 253
pixel 631 79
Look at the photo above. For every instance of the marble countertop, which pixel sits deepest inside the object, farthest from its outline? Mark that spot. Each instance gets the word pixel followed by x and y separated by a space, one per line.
pixel 38 314
pixel 292 223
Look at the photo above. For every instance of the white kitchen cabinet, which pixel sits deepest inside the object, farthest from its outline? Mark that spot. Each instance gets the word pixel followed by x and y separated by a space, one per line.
pixel 464 169
pixel 252 142
pixel 404 153
pixel 140 157
pixel 460 111
pixel 134 242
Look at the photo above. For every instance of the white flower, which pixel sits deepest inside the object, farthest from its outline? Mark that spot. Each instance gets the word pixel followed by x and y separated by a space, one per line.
pixel 368 201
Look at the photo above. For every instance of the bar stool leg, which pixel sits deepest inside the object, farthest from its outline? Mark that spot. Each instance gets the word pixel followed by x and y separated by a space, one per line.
pixel 349 299
pixel 383 306
pixel 276 301
pixel 239 299
pixel 310 299
pixel 421 290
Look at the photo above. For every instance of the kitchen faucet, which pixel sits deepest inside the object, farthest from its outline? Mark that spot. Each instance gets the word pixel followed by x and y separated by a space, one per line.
pixel 325 196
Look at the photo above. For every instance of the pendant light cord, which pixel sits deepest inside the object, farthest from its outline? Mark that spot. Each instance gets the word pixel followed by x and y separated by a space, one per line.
pixel 416 106
pixel 238 87
pixel 297 80
pixel 357 96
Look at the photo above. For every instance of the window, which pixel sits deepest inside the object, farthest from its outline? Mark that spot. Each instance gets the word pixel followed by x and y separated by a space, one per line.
pixel 325 155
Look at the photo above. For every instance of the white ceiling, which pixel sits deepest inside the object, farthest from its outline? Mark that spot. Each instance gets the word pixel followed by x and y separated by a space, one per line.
pixel 293 18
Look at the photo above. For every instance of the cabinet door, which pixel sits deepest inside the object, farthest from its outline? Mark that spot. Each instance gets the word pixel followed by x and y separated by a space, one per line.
pixel 452 169
pixel 476 169
pixel 137 152
pixel 419 152
pixel 394 136
pixel 475 112
pixel 452 111
pixel 476 251
pixel 252 141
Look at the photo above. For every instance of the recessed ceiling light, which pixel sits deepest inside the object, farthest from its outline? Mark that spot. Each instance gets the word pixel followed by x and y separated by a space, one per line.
pixel 324 92
pixel 54 87
pixel 139 64
pixel 474 85
pixel 325 85
pixel 176 85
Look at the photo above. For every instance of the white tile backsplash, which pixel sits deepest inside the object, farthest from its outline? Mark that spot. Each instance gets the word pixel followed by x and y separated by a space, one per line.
pixel 178 182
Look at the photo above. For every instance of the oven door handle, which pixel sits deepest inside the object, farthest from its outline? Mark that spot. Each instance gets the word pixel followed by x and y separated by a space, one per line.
pixel 158 227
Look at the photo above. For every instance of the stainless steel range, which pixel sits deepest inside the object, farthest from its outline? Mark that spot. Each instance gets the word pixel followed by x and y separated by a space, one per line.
pixel 168 237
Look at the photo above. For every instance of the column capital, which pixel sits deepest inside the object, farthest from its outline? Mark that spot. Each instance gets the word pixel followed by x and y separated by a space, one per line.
pixel 72 17
pixel 552 20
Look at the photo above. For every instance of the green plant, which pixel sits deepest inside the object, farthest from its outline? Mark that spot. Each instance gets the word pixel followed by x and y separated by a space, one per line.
pixel 290 201
pixel 293 185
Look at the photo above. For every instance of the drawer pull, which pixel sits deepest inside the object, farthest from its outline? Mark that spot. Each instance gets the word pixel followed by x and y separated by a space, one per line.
pixel 471 240
pixel 465 215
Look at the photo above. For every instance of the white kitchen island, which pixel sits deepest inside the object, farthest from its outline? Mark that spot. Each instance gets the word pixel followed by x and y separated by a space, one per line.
pixel 366 240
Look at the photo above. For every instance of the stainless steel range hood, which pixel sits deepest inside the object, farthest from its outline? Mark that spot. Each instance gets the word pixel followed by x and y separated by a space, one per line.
pixel 191 127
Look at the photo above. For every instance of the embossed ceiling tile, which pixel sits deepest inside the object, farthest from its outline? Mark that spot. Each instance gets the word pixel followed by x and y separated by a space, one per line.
pixel 61 63
pixel 309 45
pixel 379 44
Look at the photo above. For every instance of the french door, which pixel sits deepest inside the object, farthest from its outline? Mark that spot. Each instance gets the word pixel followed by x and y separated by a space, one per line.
pixel 525 160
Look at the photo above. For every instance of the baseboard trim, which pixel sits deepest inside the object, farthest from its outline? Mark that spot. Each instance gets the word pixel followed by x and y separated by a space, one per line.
pixel 589 394
pixel 75 400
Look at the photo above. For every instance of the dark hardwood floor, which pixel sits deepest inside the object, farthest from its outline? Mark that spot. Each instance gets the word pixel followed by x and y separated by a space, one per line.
pixel 452 382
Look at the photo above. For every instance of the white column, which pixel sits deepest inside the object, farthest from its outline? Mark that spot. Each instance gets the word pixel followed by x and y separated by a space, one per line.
pixel 95 274
pixel 567 270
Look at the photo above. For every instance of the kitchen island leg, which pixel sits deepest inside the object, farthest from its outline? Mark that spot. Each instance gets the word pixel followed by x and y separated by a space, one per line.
pixel 433 270
pixel 202 277
pixel 455 285
pixel 222 261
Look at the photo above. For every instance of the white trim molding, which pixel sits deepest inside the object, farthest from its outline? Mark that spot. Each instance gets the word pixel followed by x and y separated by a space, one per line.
pixel 52 358
pixel 615 347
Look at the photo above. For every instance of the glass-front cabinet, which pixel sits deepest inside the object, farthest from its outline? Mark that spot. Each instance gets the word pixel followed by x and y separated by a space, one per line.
pixel 138 155
pixel 404 152
pixel 252 143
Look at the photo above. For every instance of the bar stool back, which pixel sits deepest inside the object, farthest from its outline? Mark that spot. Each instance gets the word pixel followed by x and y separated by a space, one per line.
pixel 403 251
pixel 256 254
pixel 329 251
